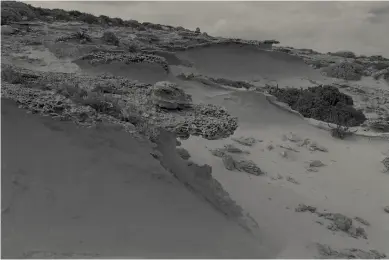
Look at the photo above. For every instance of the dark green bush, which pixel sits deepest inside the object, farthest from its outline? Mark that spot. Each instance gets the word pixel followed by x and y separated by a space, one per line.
pixel 88 18
pixel 321 103
pixel 110 38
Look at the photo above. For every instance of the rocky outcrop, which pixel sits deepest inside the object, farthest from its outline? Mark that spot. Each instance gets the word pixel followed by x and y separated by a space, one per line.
pixel 125 101
pixel 106 57
pixel 168 95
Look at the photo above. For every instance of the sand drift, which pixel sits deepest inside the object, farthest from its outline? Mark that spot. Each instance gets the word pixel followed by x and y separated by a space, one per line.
pixel 246 63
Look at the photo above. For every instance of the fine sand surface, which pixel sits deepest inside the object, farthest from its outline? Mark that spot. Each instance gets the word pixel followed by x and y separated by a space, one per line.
pixel 246 63
pixel 352 182
pixel 71 192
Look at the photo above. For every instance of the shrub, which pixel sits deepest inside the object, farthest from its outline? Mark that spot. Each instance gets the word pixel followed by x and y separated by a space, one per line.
pixel 75 13
pixel 71 91
pixel 11 76
pixel 106 89
pixel 345 70
pixel 103 104
pixel 82 35
pixel 88 18
pixel 325 103
pixel 110 38
pixel 344 54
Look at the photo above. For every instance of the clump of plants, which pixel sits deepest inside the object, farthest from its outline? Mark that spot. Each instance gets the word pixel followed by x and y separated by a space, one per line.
pixel 324 103
pixel 341 129
pixel 110 38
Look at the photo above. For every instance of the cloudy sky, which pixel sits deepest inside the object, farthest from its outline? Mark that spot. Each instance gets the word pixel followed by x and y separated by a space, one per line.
pixel 362 27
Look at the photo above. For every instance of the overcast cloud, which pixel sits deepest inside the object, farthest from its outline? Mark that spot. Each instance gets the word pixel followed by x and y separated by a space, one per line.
pixel 362 27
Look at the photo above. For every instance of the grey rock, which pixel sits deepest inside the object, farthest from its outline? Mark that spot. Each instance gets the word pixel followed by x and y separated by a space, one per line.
pixel 292 180
pixel 229 162
pixel 218 152
pixel 247 141
pixel 304 208
pixel 168 95
pixel 248 167
pixel 385 162
pixel 233 149
pixel 326 251
pixel 316 163
pixel 183 153
pixel 362 221
pixel 317 147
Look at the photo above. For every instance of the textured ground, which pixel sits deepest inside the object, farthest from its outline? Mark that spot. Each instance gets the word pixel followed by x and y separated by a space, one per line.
pixel 70 71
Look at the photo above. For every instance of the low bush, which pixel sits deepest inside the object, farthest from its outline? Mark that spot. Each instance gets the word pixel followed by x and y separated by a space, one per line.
pixel 110 38
pixel 325 103
pixel 345 70
pixel 103 104
pixel 72 91
pixel 343 54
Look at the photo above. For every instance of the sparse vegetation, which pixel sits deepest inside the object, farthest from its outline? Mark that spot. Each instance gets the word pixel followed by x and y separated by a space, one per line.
pixel 325 103
pixel 345 70
pixel 71 91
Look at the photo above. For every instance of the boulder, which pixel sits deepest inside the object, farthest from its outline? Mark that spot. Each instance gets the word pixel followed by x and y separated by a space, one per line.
pixel 7 30
pixel 168 95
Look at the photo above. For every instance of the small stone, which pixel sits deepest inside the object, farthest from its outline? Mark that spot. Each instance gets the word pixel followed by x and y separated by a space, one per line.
pixel 249 167
pixel 156 154
pixel 270 147
pixel 292 180
pixel 304 208
pixel 229 162
pixel 305 142
pixel 247 141
pixel 362 221
pixel 316 147
pixel 183 153
pixel 316 163
pixel 233 149
pixel 386 209
pixel 218 152
pixel 293 137
pixel 385 162
pixel 340 222
pixel 284 154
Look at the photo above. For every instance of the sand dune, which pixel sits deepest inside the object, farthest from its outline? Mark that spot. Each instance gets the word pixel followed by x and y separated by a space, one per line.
pixel 246 63
pixel 351 183
pixel 70 192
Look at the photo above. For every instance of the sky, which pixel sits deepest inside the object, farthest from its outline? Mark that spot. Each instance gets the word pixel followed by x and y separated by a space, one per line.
pixel 361 27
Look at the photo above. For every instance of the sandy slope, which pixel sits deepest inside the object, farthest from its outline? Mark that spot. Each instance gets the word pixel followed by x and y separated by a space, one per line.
pixel 70 192
pixel 351 183
pixel 246 63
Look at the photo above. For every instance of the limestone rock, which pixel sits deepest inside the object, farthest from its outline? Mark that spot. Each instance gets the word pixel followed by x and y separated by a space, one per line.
pixel 229 162
pixel 247 141
pixel 317 147
pixel 249 167
pixel 183 153
pixel 7 30
pixel 168 95
pixel 316 163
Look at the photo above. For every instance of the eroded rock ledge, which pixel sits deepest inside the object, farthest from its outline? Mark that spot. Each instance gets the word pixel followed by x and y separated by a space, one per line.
pixel 87 99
